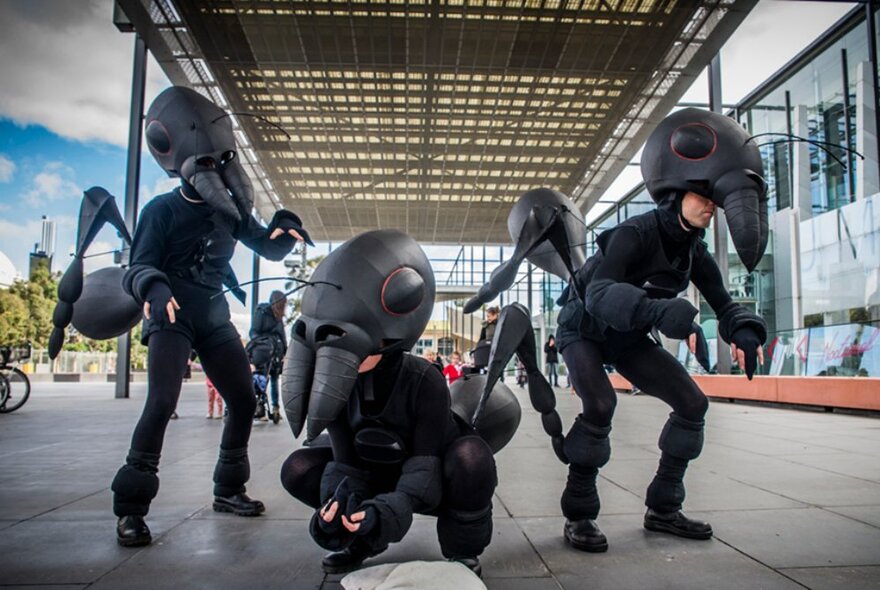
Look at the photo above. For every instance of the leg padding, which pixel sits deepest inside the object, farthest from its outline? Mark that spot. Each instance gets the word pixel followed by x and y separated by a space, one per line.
pixel 231 472
pixel 680 441
pixel 682 438
pixel 587 445
pixel 580 500
pixel 464 533
pixel 135 484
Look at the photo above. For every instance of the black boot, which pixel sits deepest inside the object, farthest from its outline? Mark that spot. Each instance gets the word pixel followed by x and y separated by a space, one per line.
pixel 676 523
pixel 238 504
pixel 349 559
pixel 472 563
pixel 585 535
pixel 132 531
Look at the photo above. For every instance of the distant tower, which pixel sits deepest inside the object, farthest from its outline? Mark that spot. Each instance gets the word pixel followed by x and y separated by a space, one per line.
pixel 43 252
pixel 47 240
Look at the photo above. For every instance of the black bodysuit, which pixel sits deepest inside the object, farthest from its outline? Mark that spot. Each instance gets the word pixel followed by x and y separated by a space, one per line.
pixel 189 245
pixel 651 252
pixel 443 460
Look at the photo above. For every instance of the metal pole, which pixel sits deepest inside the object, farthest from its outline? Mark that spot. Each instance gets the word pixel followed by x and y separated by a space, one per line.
pixel 529 287
pixel 844 66
pixel 255 286
pixel 789 128
pixel 132 181
pixel 872 56
pixel 720 229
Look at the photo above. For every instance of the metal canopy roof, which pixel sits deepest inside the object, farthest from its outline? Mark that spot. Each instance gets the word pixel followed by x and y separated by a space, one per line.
pixel 432 116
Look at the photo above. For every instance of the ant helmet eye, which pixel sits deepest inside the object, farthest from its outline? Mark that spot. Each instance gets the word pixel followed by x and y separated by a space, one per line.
pixel 693 141
pixel 402 291
pixel 158 138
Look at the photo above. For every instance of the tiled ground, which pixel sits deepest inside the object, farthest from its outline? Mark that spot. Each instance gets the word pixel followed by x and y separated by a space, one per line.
pixel 793 496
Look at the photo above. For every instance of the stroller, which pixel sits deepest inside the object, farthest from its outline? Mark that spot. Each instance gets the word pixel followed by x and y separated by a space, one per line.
pixel 261 353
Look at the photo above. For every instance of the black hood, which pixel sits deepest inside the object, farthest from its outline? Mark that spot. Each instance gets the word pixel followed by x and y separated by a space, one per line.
pixel 374 294
pixel 192 139
pixel 711 155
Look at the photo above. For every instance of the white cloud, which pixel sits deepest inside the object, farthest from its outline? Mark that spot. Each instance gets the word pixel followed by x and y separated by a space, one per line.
pixel 163 185
pixel 29 230
pixel 7 169
pixel 54 182
pixel 93 263
pixel 67 68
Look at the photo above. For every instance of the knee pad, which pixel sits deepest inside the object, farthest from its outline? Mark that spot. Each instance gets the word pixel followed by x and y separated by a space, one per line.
pixel 682 438
pixel 587 445
pixel 231 472
pixel 580 500
pixel 135 484
pixel 464 533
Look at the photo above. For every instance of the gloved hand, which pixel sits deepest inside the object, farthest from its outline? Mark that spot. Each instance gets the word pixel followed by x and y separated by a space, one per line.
pixel 673 317
pixel 361 522
pixel 342 503
pixel 159 304
pixel 747 350
pixel 288 222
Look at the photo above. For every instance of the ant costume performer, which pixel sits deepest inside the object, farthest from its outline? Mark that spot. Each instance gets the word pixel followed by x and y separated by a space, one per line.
pixel 396 448
pixel 179 263
pixel 630 286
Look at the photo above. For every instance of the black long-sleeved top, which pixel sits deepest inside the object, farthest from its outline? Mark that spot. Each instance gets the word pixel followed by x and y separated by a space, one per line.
pixel 646 257
pixel 410 397
pixel 189 245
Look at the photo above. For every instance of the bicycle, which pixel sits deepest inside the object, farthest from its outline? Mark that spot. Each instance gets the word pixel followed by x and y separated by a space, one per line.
pixel 15 387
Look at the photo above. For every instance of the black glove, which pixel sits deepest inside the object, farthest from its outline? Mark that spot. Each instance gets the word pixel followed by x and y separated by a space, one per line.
pixel 748 340
pixel 158 296
pixel 370 521
pixel 287 220
pixel 348 502
pixel 673 317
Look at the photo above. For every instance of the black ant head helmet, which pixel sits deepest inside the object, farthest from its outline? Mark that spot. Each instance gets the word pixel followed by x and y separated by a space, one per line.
pixel 372 295
pixel 711 155
pixel 191 138
pixel 550 221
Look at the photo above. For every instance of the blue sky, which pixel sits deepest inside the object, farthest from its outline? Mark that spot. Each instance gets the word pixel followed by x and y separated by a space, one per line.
pixel 65 97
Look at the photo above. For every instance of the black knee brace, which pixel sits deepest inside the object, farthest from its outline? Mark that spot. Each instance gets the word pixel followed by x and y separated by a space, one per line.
pixel 682 438
pixel 680 442
pixel 135 484
pixel 588 448
pixel 587 445
pixel 231 472
pixel 464 533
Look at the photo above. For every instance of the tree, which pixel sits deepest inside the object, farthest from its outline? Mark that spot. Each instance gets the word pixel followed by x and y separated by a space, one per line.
pixel 35 299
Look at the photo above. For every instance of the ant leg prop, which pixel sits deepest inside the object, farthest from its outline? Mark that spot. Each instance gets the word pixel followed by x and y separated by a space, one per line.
pixel 537 225
pixel 514 334
pixel 98 207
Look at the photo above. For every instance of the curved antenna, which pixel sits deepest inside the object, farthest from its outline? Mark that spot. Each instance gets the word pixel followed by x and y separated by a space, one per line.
pixel 297 288
pixel 823 145
pixel 260 117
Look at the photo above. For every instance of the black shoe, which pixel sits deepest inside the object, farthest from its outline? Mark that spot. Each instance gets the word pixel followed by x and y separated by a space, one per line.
pixel 676 523
pixel 347 560
pixel 585 535
pixel 472 563
pixel 238 504
pixel 132 531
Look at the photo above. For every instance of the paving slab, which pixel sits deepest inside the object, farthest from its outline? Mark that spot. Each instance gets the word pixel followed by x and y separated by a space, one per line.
pixel 794 498
pixel 836 578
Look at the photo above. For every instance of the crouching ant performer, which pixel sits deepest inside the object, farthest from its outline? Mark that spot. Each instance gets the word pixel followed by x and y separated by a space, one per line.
pixel 179 266
pixel 694 162
pixel 395 447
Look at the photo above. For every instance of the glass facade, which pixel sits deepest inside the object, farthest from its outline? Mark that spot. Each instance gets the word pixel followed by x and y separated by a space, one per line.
pixel 825 87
